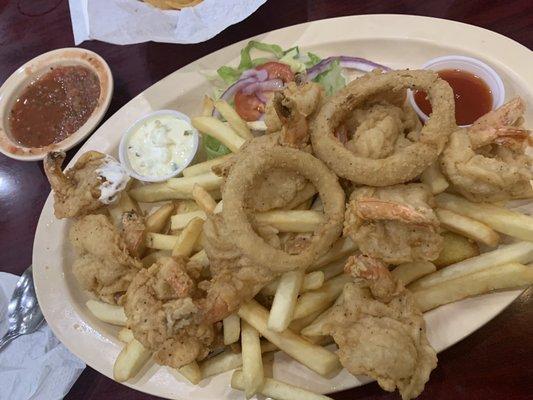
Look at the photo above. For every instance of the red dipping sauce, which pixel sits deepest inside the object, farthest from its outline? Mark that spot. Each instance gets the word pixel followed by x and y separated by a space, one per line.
pixel 473 97
pixel 54 106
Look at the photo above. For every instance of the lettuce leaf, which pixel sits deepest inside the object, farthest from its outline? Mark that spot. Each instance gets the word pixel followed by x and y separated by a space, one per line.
pixel 213 148
pixel 331 79
pixel 313 59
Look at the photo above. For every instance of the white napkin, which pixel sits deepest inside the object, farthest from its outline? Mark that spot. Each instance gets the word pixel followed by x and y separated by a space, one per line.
pixel 35 366
pixel 132 21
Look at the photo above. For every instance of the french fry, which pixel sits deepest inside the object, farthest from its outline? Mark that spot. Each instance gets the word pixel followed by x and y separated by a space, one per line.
pixel 232 329
pixel 191 372
pixel 277 390
pixel 411 271
pixel 297 325
pixel 228 360
pixel 156 221
pixel 521 252
pixel 303 196
pixel 506 276
pixel 201 258
pixel 187 239
pixel 252 362
pixel 291 220
pixel 220 131
pixel 320 299
pixel 203 199
pixel 434 178
pixel 107 312
pixel 257 125
pixel 234 120
pixel 314 357
pixel 130 361
pixel 208 106
pixel 334 269
pixel 125 335
pixel 342 248
pixel 312 281
pixel 468 227
pixel 177 188
pixel 205 167
pixel 284 302
pixel 455 248
pixel 159 241
pixel 151 258
pixel 500 219
pixel 124 204
pixel 180 221
pixel 219 207
pixel 316 329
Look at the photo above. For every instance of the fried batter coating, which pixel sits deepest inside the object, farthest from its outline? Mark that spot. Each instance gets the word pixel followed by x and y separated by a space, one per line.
pixel 380 331
pixel 161 306
pixel 103 265
pixel 396 224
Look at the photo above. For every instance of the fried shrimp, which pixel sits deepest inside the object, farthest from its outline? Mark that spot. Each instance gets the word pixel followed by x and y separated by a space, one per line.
pixel 380 331
pixel 395 224
pixel 236 215
pixel 161 307
pixel 412 157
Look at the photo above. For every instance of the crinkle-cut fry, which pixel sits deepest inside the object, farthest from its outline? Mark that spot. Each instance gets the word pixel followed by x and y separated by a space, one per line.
pixel 191 372
pixel 130 361
pixel 521 252
pixel 500 219
pixel 434 178
pixel 499 277
pixel 204 167
pixel 282 309
pixel 208 106
pixel 278 390
pixel 228 360
pixel 107 312
pixel 468 227
pixel 220 131
pixel 334 269
pixel 124 204
pixel 187 239
pixel 201 258
pixel 125 335
pixel 316 328
pixel 320 299
pixel 159 241
pixel 177 188
pixel 252 361
pixel 180 221
pixel 234 120
pixel 204 200
pixel 151 258
pixel 312 281
pixel 291 220
pixel 320 360
pixel 411 271
pixel 156 221
pixel 232 329
pixel 341 248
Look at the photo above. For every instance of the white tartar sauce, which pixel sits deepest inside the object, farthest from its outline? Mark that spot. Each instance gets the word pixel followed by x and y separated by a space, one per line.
pixel 115 179
pixel 161 145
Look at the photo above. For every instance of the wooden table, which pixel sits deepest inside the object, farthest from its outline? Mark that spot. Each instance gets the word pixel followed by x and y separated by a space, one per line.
pixel 493 363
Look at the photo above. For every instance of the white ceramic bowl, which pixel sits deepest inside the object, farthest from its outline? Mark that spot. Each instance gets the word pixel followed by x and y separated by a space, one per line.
pixel 468 64
pixel 33 69
pixel 123 155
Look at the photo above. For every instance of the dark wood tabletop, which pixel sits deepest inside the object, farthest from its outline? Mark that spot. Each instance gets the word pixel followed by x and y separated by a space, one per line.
pixel 496 362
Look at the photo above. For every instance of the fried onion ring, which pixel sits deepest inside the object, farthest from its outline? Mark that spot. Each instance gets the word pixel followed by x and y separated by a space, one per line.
pixel 405 164
pixel 235 214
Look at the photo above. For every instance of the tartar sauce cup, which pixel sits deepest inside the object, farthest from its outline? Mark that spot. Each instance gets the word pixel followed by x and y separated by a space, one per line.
pixel 164 158
pixel 467 64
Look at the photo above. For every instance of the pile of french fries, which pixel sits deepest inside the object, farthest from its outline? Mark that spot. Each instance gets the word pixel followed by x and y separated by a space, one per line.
pixel 302 300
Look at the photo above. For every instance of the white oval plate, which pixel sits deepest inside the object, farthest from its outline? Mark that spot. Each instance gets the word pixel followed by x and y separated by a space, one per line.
pixel 398 41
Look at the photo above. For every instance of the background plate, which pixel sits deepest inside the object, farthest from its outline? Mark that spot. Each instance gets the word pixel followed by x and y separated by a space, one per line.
pixel 398 41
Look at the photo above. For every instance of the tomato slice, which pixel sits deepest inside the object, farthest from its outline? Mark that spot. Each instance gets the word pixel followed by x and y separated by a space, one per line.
pixel 278 70
pixel 248 106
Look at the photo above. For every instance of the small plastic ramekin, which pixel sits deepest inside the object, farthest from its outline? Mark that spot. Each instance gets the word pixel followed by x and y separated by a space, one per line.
pixel 123 154
pixel 468 64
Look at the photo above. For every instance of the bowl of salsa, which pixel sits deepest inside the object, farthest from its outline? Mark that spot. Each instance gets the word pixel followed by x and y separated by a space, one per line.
pixel 53 102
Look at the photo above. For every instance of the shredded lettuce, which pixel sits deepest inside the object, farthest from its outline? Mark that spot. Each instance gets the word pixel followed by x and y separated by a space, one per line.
pixel 331 79
pixel 213 148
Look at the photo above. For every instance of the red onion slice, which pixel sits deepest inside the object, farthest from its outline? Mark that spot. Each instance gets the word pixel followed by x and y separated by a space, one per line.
pixel 266 86
pixel 357 63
